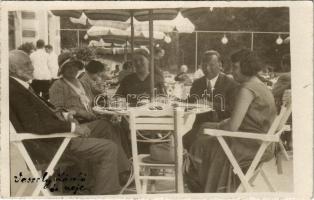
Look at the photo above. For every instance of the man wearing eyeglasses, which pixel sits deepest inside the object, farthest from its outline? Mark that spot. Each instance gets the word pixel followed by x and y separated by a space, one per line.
pixel 215 89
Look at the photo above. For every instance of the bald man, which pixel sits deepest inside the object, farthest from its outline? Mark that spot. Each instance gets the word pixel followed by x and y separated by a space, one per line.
pixel 28 113
pixel 183 76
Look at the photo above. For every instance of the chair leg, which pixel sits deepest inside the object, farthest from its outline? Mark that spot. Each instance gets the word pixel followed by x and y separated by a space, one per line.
pixel 51 167
pixel 138 184
pixel 145 181
pixel 32 169
pixel 236 168
pixel 283 151
pixel 257 171
pixel 240 189
pixel 153 186
pixel 268 183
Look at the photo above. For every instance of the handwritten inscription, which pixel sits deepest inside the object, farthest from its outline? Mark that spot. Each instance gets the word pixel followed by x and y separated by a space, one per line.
pixel 70 183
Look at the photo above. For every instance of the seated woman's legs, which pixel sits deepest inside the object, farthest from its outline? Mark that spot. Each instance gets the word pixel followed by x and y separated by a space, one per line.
pixel 103 155
pixel 209 169
pixel 104 129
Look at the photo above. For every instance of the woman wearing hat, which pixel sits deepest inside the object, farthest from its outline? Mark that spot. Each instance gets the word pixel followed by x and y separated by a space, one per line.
pixel 138 83
pixel 70 94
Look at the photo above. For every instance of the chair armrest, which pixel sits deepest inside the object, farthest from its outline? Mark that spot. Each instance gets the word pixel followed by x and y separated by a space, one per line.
pixel 256 136
pixel 29 136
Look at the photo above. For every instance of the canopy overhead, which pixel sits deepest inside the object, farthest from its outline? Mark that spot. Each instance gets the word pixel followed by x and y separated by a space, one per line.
pixel 119 14
pixel 68 13
pixel 121 36
pixel 194 13
pixel 123 15
pixel 179 24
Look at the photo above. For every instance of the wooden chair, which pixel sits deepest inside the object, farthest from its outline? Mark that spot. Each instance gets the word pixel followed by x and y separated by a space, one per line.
pixel 162 120
pixel 18 138
pixel 283 152
pixel 273 136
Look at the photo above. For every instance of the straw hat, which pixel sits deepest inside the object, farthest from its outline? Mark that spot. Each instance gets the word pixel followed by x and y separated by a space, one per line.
pixel 67 57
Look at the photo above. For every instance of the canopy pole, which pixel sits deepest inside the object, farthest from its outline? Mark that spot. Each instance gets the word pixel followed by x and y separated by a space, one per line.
pixel 252 41
pixel 78 38
pixel 151 49
pixel 196 67
pixel 132 36
pixel 125 49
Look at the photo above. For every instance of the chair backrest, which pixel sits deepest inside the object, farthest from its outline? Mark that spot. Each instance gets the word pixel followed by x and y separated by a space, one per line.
pixel 12 131
pixel 149 120
pixel 281 119
pixel 168 119
pixel 145 119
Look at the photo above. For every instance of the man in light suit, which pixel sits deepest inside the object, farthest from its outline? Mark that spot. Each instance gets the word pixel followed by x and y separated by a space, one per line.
pixel 29 113
pixel 214 87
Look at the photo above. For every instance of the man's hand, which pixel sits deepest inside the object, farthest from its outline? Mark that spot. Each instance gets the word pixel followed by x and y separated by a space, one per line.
pixel 115 119
pixel 89 116
pixel 82 130
pixel 70 117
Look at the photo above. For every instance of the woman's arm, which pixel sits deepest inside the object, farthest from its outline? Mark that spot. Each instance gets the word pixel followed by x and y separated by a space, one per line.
pixel 56 95
pixel 243 101
pixel 122 88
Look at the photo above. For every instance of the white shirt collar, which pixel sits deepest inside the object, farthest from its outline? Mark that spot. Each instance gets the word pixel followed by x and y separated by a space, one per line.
pixel 23 83
pixel 212 81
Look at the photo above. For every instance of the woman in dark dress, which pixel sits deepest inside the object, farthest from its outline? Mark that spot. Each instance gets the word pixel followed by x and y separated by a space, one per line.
pixel 137 85
pixel 91 76
pixel 254 111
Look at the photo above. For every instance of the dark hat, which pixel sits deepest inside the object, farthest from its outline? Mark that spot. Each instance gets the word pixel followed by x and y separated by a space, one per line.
pixel 94 67
pixel 67 57
pixel 162 153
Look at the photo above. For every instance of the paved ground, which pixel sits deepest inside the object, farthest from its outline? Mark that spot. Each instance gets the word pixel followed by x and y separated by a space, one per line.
pixel 283 183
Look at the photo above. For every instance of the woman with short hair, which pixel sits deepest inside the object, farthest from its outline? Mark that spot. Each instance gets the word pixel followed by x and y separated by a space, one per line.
pixel 254 111
pixel 92 77
pixel 138 83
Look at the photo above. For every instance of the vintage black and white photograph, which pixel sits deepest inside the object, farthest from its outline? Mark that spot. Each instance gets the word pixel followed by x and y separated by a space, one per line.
pixel 152 99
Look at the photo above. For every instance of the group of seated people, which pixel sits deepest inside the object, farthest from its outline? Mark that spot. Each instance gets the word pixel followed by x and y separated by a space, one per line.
pixel 248 106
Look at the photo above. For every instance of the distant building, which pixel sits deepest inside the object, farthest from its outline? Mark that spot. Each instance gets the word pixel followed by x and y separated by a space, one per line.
pixel 29 26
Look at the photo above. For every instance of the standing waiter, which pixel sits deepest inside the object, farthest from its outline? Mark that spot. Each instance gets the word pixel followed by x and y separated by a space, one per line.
pixel 42 75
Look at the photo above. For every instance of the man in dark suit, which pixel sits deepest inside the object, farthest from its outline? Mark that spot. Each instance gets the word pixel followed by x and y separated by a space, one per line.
pixel 214 88
pixel 29 113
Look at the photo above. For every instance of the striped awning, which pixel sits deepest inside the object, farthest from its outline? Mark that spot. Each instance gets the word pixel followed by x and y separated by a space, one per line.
pixel 194 13
pixel 121 36
pixel 67 13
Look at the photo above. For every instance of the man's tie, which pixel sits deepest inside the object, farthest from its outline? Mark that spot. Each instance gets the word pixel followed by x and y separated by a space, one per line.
pixel 209 89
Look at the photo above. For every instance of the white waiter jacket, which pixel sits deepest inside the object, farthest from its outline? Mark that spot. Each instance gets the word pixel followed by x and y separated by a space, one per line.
pixel 39 60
